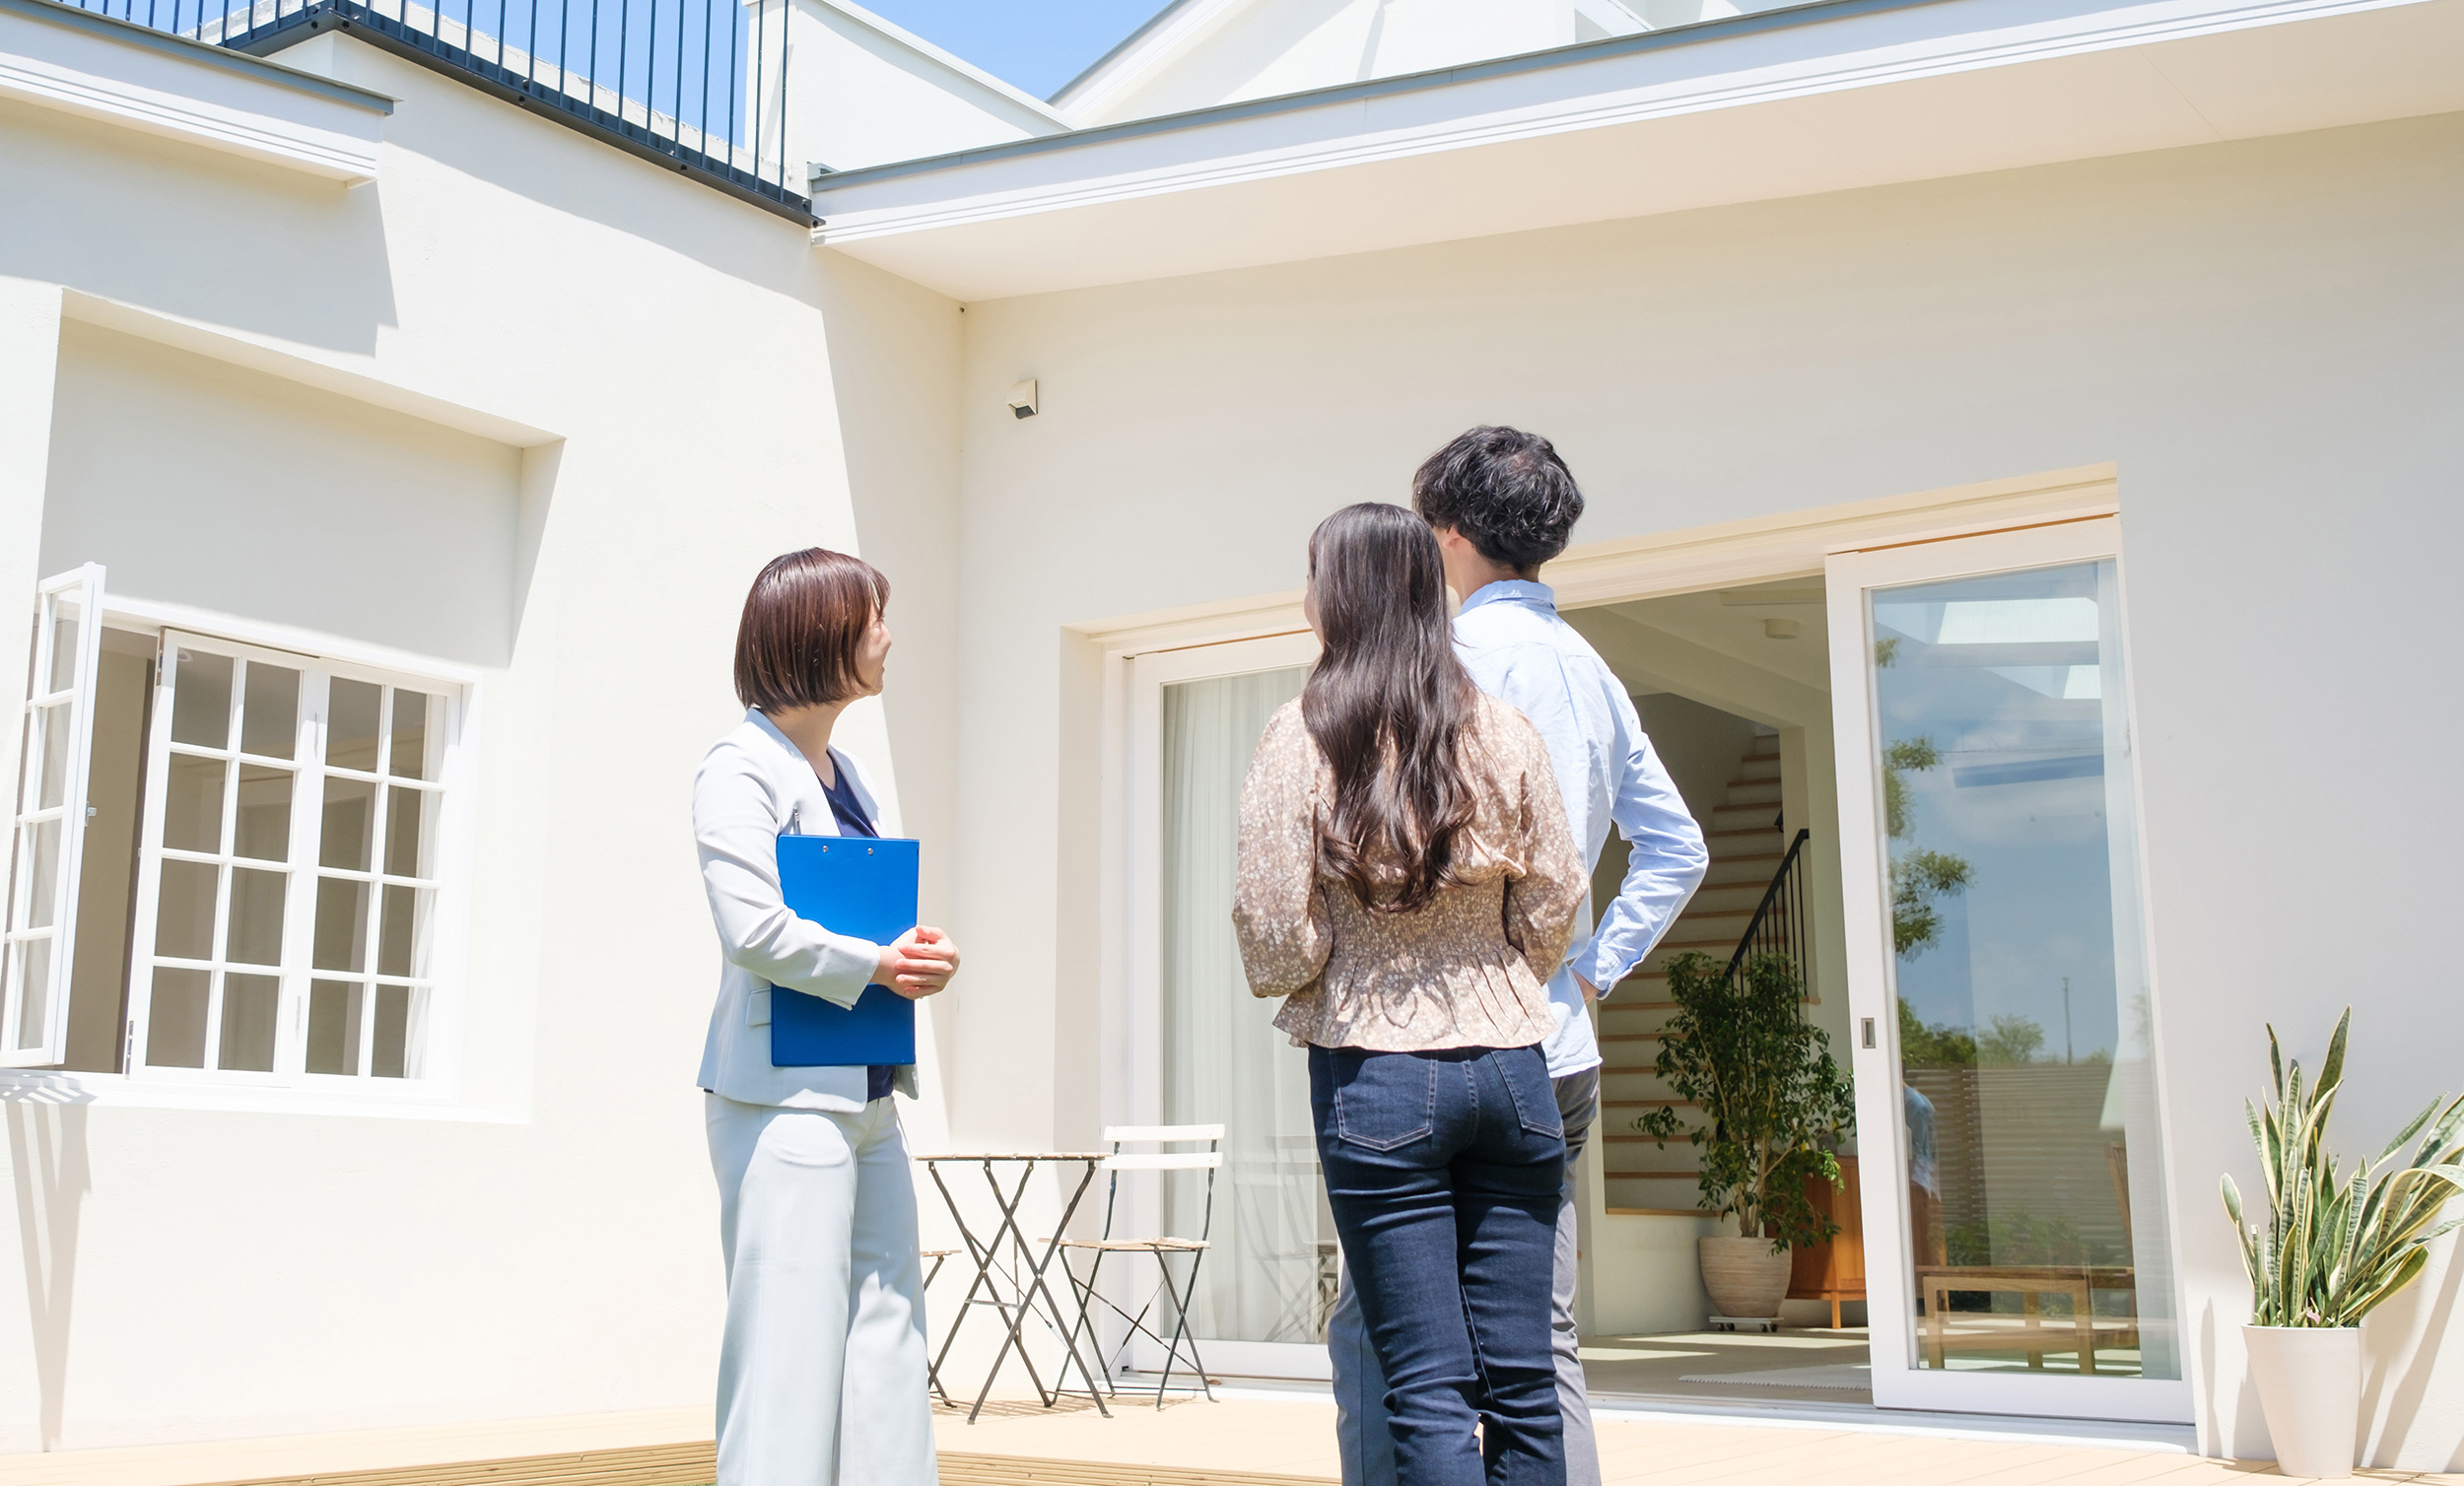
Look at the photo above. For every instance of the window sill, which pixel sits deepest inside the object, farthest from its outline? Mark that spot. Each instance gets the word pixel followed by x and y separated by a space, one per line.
pixel 117 1089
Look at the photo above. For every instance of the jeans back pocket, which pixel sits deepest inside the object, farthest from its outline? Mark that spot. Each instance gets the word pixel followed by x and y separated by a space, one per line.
pixel 1384 1100
pixel 1524 1073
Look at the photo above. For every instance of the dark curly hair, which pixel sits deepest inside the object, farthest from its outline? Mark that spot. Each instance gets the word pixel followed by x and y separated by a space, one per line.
pixel 1505 489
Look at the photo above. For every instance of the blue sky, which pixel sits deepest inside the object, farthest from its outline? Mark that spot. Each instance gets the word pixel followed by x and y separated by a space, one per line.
pixel 1033 44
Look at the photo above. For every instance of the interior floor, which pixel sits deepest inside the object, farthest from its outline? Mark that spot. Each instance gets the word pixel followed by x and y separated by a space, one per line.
pixel 1712 1364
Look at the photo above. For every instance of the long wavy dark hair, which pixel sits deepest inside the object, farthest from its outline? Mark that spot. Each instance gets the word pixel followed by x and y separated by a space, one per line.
pixel 1388 706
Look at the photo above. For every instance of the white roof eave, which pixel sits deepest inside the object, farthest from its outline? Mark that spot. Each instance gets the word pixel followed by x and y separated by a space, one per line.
pixel 1821 96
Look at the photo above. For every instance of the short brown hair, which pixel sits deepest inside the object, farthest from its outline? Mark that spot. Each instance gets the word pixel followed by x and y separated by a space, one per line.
pixel 808 611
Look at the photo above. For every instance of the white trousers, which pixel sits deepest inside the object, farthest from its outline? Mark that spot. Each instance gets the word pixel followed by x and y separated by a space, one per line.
pixel 822 1375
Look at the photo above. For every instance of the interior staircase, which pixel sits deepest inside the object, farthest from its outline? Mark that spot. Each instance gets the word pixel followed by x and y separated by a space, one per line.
pixel 1747 847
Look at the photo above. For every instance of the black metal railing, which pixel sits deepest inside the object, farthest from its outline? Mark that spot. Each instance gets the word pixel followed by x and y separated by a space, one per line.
pixel 1779 922
pixel 696 85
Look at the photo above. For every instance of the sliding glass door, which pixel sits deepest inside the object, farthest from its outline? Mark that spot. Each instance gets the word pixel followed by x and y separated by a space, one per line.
pixel 2020 1261
pixel 1201 1049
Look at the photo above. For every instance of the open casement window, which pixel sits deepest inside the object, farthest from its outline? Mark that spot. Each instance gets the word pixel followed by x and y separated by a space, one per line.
pixel 50 821
pixel 287 895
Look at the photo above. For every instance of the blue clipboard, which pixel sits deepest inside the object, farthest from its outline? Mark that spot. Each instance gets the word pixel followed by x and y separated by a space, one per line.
pixel 851 885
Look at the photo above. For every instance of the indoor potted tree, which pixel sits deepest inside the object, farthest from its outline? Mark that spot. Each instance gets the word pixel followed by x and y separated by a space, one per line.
pixel 1770 1105
pixel 2329 1253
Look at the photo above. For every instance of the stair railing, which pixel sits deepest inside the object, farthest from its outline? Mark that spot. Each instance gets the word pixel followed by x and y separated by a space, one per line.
pixel 1779 921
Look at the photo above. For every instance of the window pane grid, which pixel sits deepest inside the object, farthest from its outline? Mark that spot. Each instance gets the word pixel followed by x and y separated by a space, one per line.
pixel 47 731
pixel 235 1029
pixel 34 862
pixel 360 1027
pixel 41 881
pixel 350 980
pixel 368 954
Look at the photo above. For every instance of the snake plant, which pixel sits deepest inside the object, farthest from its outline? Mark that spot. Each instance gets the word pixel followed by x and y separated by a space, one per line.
pixel 2330 1251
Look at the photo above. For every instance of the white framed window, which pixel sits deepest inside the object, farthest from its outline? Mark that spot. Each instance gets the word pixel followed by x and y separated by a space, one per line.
pixel 267 832
pixel 50 821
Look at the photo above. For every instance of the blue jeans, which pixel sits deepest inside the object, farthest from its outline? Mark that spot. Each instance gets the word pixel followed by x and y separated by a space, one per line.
pixel 1360 1432
pixel 1443 1171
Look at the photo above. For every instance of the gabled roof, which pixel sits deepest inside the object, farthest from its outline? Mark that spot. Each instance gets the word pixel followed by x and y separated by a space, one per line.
pixel 1145 48
pixel 1184 30
pixel 900 35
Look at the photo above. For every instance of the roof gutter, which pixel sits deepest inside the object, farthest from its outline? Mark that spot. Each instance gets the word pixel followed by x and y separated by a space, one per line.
pixel 1525 63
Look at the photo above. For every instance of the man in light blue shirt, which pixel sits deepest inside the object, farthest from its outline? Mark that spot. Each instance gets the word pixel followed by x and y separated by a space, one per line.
pixel 1503 504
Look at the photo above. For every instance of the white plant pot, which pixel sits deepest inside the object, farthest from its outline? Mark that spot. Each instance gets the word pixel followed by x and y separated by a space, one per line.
pixel 2309 1382
pixel 1746 1280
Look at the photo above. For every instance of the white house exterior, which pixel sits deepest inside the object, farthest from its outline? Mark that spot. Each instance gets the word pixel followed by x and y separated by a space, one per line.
pixel 461 432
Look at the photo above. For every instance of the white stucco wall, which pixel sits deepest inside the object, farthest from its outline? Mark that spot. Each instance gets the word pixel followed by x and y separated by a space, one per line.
pixel 2263 337
pixel 702 389
pixel 205 484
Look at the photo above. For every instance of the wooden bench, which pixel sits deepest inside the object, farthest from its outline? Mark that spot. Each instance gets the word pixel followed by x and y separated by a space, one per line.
pixel 2032 1282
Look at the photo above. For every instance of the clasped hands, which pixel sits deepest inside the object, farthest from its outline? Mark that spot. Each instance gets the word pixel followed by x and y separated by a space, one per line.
pixel 918 963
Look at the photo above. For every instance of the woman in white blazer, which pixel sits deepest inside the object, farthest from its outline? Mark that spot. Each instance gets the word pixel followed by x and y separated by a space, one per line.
pixel 822 1372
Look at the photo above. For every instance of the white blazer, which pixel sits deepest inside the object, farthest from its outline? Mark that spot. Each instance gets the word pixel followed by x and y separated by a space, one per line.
pixel 752 788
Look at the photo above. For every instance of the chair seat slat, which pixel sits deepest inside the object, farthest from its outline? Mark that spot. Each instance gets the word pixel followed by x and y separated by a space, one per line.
pixel 1140 1134
pixel 1137 1245
pixel 1168 1161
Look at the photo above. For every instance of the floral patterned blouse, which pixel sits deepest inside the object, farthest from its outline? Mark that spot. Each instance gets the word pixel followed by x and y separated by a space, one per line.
pixel 1465 969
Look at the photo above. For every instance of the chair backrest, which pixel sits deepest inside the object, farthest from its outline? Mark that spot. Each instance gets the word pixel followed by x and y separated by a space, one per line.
pixel 1210 1161
pixel 1207 1135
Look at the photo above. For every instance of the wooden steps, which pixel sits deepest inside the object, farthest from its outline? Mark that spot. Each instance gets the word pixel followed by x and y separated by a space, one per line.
pixel 1746 847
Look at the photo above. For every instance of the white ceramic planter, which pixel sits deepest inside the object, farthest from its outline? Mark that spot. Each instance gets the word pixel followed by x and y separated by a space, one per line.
pixel 1746 1280
pixel 2309 1382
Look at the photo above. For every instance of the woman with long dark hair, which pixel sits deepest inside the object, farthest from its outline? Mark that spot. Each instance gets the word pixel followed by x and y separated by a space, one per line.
pixel 1406 885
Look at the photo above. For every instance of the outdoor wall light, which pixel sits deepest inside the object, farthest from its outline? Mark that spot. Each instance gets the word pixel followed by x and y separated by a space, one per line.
pixel 1779 629
pixel 1022 399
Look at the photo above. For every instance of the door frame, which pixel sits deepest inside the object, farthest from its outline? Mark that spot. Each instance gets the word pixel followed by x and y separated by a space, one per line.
pixel 1796 543
pixel 1866 899
pixel 1134 1021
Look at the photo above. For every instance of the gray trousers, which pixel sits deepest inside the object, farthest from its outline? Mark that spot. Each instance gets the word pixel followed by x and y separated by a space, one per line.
pixel 1360 1431
pixel 821 1375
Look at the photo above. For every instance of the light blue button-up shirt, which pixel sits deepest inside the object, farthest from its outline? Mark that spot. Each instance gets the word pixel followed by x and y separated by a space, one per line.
pixel 1520 651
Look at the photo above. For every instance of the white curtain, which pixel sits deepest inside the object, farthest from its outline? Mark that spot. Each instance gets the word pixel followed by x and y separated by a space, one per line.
pixel 1269 1275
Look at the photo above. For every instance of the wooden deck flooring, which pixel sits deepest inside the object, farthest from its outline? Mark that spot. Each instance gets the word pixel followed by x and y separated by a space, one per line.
pixel 1245 1440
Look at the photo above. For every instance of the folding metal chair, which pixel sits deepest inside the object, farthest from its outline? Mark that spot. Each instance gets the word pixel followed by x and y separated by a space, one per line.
pixel 1210 1161
pixel 938 1256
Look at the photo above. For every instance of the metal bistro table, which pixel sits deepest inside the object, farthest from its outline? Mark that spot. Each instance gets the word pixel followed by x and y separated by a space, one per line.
pixel 1009 1269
